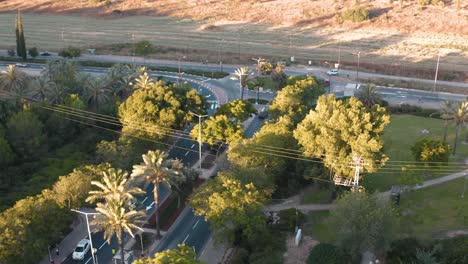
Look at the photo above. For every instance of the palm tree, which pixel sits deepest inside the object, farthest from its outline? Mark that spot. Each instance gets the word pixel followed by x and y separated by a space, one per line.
pixel 13 80
pixel 158 169
pixel 40 87
pixel 368 95
pixel 56 93
pixel 460 116
pixel 116 218
pixel 96 92
pixel 143 81
pixel 446 113
pixel 244 76
pixel 114 184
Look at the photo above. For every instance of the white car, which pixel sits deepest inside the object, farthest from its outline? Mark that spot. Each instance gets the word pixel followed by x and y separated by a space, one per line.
pixel 332 72
pixel 81 249
pixel 20 65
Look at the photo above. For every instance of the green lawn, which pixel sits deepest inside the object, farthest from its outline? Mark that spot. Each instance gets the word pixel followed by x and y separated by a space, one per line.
pixel 400 136
pixel 317 196
pixel 316 226
pixel 431 211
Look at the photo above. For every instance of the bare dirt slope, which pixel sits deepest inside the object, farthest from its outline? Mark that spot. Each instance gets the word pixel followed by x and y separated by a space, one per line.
pixel 385 14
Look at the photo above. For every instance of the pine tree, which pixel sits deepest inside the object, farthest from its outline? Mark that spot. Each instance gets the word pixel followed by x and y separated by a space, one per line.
pixel 20 41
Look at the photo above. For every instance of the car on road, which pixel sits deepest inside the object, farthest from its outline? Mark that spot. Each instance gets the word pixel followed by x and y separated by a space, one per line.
pixel 20 65
pixel 45 53
pixel 263 113
pixel 332 72
pixel 81 249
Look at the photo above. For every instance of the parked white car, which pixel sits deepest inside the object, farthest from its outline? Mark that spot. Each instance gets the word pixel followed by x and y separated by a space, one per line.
pixel 332 72
pixel 20 65
pixel 81 249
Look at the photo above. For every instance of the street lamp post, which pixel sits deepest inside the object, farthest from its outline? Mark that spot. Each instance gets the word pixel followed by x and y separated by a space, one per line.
pixel 89 231
pixel 178 77
pixel 199 138
pixel 464 186
pixel 357 69
pixel 437 72
pixel 220 59
pixel 329 78
pixel 258 74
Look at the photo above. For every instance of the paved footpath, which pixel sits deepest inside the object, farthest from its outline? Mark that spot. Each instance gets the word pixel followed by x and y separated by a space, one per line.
pixel 305 208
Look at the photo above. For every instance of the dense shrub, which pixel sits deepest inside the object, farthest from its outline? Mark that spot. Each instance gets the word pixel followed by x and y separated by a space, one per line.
pixel 403 251
pixel 70 52
pixel 288 219
pixel 356 14
pixel 324 253
pixel 33 52
pixel 452 250
pixel 413 110
pixel 144 47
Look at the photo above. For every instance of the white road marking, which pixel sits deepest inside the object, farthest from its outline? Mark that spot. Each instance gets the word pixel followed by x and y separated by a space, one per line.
pixel 186 153
pixel 195 225
pixel 185 239
pixel 88 260
pixel 193 145
pixel 102 245
pixel 144 199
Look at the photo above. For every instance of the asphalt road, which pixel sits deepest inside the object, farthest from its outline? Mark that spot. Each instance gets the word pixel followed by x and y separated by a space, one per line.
pixel 193 230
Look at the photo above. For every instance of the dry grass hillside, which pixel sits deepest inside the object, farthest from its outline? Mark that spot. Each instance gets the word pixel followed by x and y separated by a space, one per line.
pixel 384 14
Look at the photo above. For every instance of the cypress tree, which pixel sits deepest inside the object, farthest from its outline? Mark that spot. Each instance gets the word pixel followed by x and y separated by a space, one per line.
pixel 20 41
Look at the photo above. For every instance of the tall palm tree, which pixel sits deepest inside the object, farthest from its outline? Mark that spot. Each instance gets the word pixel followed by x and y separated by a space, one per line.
pixel 56 93
pixel 143 81
pixel 446 113
pixel 13 79
pixel 114 184
pixel 244 76
pixel 460 116
pixel 116 218
pixel 40 87
pixel 368 95
pixel 96 92
pixel 158 169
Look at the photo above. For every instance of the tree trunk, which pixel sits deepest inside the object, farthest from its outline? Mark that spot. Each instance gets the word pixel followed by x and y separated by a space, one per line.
pixel 457 131
pixel 122 253
pixel 445 130
pixel 258 94
pixel 241 91
pixel 156 205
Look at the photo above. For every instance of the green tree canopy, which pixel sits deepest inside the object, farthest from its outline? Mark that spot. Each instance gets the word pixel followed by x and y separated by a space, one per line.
pixel 181 255
pixel 363 222
pixel 429 151
pixel 251 153
pixel 296 99
pixel 238 109
pixel 6 153
pixel 230 206
pixel 218 129
pixel 29 226
pixel 336 131
pixel 157 108
pixel 25 134
pixel 71 190
pixel 324 253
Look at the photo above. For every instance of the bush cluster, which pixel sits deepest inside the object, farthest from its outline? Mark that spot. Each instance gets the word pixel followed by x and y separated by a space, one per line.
pixel 356 14
pixel 70 52
pixel 413 110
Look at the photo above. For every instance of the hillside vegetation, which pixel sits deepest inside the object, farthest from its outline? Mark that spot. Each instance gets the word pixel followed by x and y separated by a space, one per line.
pixel 448 16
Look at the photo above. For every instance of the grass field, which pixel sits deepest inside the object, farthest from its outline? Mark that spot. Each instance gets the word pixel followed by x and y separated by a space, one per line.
pixel 434 210
pixel 55 32
pixel 400 136
pixel 317 227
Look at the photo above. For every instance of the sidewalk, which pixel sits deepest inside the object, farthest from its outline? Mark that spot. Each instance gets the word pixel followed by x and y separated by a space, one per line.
pixel 214 253
pixel 68 244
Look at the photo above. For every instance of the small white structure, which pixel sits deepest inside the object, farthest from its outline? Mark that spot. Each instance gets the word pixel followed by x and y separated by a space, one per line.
pixel 298 237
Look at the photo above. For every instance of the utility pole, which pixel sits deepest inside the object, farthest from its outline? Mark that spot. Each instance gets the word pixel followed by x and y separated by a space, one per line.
pixel 89 231
pixel 133 48
pixel 199 138
pixel 357 165
pixel 258 74
pixel 437 72
pixel 357 69
pixel 464 187
pixel 178 77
